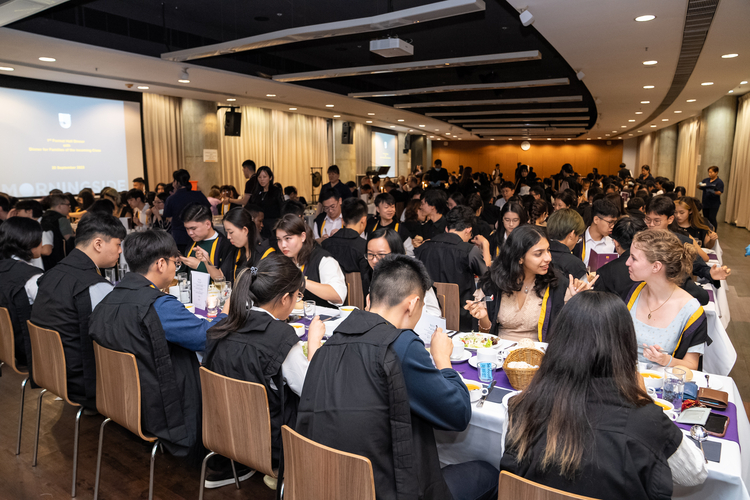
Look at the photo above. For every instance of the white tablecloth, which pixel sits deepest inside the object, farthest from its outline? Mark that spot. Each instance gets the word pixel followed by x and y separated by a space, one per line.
pixel 484 440
pixel 720 356
pixel 720 297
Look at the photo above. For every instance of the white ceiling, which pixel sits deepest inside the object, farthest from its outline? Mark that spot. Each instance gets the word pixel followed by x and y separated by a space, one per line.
pixel 601 39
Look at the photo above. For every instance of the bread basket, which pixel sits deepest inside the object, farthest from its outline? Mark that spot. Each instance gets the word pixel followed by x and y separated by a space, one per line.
pixel 520 378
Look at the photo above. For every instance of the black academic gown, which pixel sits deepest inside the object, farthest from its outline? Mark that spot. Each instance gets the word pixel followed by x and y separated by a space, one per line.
pixel 14 274
pixel 566 261
pixel 349 250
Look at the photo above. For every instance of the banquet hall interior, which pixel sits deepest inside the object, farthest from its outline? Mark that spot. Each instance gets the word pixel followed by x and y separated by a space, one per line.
pixel 138 89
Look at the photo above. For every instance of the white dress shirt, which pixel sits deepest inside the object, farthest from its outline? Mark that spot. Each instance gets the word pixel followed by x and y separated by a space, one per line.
pixel 605 245
pixel 330 274
pixel 329 226
pixel 31 287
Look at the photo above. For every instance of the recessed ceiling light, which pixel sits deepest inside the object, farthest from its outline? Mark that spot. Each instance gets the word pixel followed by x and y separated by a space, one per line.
pixel 598 137
pixel 47 59
pixel 401 120
pixel 494 139
pixel 690 100
pixel 510 139
pixel 183 80
pixel 437 130
pixel 640 131
pixel 371 114
pixel 421 125
pixel 653 126
pixel 337 116
pixel 432 136
pixel 447 133
pixel 393 126
pixel 143 87
pixel 588 138
pixel 329 105
pixel 648 86
pixel 647 17
pixel 631 120
pixel 729 56
pixel 549 139
pixel 607 135
pixel 743 82
pixel 705 84
pixel 614 131
pixel 731 91
pixel 6 68
pixel 639 112
pixel 645 102
pixel 368 121
pixel 630 134
pixel 270 95
pixel 230 99
pixel 649 63
pixel 678 112
pixel 292 109
pixel 665 119
pixel 411 130
pixel 624 126
pixel 459 138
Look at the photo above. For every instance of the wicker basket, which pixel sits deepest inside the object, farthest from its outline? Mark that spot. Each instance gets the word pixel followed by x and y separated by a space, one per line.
pixel 520 378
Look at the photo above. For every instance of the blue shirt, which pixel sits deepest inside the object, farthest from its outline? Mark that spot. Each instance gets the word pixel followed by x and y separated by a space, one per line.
pixel 174 206
pixel 437 396
pixel 182 327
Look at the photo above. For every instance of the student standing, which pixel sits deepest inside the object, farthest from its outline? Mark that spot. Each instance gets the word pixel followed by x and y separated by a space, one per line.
pixel 712 188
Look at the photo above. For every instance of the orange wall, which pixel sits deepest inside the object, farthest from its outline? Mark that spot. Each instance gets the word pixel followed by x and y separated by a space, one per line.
pixel 545 156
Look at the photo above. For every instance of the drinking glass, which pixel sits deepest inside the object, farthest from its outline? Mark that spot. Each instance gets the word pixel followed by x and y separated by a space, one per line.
pixel 109 275
pixel 674 387
pixel 309 309
pixel 184 288
pixel 212 302
pixel 486 371
pixel 226 293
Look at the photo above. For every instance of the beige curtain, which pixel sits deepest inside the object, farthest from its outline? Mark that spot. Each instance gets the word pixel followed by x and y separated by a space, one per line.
pixel 162 133
pixel 362 147
pixel 686 169
pixel 645 155
pixel 255 143
pixel 738 202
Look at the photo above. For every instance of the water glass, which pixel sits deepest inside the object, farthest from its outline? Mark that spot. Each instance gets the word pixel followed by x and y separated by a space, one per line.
pixel 226 293
pixel 185 291
pixel 309 309
pixel 674 387
pixel 486 371
pixel 212 302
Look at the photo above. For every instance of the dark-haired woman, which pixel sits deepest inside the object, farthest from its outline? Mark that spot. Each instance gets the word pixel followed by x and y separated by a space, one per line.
pixel 268 197
pixel 529 290
pixel 512 215
pixel 247 252
pixel 255 344
pixel 20 241
pixel 584 425
pixel 325 283
pixel 688 220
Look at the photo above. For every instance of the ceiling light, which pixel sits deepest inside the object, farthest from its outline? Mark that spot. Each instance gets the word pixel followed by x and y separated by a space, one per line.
pixel 630 135
pixel 437 130
pixel 447 133
pixel 401 120
pixel 393 126
pixel 6 68
pixel 421 125
pixel 691 100
pixel 645 102
pixel 642 19
pixel 549 139
pixel 494 139
pixel 184 76
pixel 47 59
pixel 649 63
pixel 411 130
pixel 665 119
pixel 743 82
pixel 459 138
pixel 631 121
pixel 648 86
pixel 337 116
pixel 371 114
pixel 606 135
pixel 329 105
pixel 598 137
pixel 368 121
pixel 588 138
pixel 624 126
pixel 142 87
pixel 705 84
pixel 270 95
pixel 731 91
pixel 432 136
pixel 678 112
pixel 653 126
pixel 508 139
pixel 640 131
pixel 614 131
pixel 292 109
pixel 729 56
pixel 639 112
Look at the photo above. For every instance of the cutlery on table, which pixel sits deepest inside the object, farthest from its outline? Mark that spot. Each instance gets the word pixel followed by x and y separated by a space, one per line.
pixel 484 396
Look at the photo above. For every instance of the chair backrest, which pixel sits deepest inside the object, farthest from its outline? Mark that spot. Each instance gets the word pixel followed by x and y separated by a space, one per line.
pixel 312 470
pixel 48 359
pixel 236 420
pixel 355 295
pixel 118 389
pixel 451 307
pixel 512 486
pixel 7 341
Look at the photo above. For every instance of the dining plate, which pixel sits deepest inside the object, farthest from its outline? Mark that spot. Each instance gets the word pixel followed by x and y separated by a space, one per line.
pixel 498 365
pixel 463 358
pixel 474 341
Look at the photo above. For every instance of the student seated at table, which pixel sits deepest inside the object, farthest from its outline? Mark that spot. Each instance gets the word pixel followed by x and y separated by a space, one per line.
pixel 325 283
pixel 228 193
pixel 209 246
pixel 688 219
pixel 71 290
pixel 385 204
pixel 56 220
pixel 246 249
pixel 386 241
pixel 670 324
pixel 373 390
pixel 255 344
pixel 141 210
pixel 434 207
pixel 347 246
pixel 138 318
pixel 564 228
pixel 528 289
pixel 608 439
pixel 512 215
pixel 20 242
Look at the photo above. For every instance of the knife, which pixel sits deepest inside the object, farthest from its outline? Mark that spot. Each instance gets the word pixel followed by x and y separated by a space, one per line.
pixel 484 397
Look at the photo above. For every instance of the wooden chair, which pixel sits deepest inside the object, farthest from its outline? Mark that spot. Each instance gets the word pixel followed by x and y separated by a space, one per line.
pixel 451 306
pixel 118 397
pixel 8 356
pixel 512 486
pixel 354 294
pixel 316 471
pixel 48 359
pixel 236 424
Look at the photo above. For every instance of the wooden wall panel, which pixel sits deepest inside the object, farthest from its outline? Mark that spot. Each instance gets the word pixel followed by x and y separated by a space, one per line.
pixel 545 156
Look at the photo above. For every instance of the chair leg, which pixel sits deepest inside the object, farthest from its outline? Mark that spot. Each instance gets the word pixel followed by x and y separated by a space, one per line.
pixel 203 475
pixel 20 414
pixel 38 421
pixel 75 451
pixel 99 458
pixel 234 472
pixel 151 474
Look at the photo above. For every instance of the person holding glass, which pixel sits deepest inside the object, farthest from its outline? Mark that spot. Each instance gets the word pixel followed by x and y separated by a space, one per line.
pixel 385 241
pixel 670 324
pixel 529 291
pixel 585 425
pixel 325 283
pixel 512 216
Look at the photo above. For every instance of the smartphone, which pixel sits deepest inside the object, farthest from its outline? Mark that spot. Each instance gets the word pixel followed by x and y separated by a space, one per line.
pixel 716 425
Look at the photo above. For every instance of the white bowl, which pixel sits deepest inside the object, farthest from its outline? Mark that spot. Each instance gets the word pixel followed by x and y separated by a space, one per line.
pixel 346 310
pixel 653 378
pixel 299 328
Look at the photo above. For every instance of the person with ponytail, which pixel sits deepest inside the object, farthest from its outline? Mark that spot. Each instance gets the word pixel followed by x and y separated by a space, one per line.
pixel 670 324
pixel 255 344
pixel 242 233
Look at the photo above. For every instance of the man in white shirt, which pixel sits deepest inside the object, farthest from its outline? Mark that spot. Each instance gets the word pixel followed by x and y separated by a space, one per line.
pixel 137 201
pixel 506 191
pixel 329 220
pixel 596 237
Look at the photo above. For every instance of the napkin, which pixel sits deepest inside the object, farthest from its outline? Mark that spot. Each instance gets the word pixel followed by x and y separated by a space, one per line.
pixel 712 449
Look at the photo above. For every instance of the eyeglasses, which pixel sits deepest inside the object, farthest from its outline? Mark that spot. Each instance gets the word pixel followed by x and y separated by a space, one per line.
pixel 330 208
pixel 374 257
pixel 652 222
pixel 611 222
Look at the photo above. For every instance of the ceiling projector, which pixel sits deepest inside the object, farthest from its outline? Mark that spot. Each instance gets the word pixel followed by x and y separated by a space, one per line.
pixel 391 47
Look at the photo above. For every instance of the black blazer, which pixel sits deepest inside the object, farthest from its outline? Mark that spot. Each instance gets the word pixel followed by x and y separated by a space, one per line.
pixel 566 261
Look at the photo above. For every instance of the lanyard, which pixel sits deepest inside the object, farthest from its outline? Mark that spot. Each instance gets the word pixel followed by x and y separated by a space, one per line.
pixel 213 249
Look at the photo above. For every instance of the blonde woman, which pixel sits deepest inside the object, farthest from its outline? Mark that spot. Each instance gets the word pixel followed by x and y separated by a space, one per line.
pixel 670 324
pixel 111 194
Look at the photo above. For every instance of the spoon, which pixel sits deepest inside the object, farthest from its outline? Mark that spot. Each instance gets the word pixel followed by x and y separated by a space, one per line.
pixel 698 432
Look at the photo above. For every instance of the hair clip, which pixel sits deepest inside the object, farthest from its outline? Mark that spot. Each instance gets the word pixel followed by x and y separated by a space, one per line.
pixel 254 271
